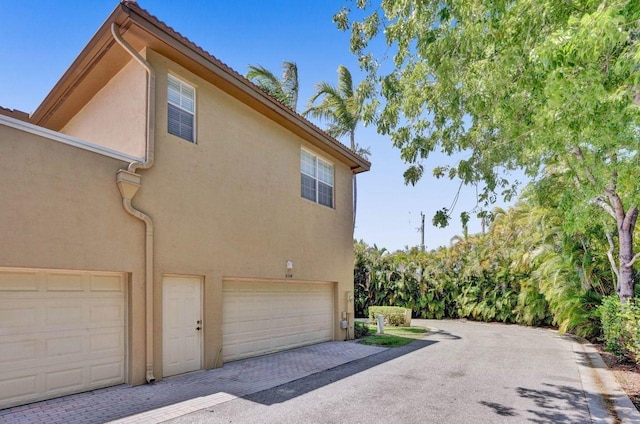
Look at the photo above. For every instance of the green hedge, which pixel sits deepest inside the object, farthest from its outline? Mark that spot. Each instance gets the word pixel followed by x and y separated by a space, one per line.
pixel 393 315
pixel 621 326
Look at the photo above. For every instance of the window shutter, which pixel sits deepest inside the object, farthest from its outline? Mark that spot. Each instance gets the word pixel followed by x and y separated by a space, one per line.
pixel 181 108
pixel 180 123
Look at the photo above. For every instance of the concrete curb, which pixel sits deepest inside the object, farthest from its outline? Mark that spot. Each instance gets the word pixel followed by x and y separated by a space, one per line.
pixel 607 401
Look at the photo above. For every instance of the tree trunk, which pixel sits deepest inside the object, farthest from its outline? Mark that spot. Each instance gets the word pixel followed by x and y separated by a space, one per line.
pixel 626 257
pixel 626 280
pixel 626 223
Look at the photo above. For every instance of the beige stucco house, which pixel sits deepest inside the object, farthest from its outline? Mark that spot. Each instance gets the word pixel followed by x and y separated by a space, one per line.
pixel 160 214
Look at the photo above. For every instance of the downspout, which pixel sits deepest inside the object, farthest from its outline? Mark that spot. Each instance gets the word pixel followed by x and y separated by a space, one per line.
pixel 129 182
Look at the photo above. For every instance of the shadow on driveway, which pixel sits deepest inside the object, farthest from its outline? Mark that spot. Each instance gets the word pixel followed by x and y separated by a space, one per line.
pixel 445 334
pixel 308 384
pixel 553 404
pixel 271 374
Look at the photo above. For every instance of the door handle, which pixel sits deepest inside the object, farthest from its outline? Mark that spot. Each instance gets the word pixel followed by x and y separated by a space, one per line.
pixel 198 328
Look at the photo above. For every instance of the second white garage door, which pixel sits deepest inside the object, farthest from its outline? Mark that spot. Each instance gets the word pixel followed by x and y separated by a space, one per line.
pixel 264 317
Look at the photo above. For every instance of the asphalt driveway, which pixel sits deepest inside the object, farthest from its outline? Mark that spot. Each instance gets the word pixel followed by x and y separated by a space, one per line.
pixel 464 372
pixel 461 372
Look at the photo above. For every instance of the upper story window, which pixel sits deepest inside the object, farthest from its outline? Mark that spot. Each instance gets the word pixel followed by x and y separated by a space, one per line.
pixel 316 177
pixel 181 98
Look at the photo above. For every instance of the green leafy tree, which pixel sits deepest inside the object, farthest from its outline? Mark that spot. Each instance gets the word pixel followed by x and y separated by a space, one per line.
pixel 284 89
pixel 531 84
pixel 342 108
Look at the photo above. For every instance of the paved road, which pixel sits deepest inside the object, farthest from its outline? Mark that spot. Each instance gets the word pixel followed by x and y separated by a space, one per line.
pixel 465 372
pixel 180 395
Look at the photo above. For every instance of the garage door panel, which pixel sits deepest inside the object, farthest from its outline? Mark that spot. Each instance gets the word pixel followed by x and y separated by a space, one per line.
pixel 107 372
pixel 107 283
pixel 63 338
pixel 110 341
pixel 61 347
pixel 13 317
pixel 36 314
pixel 27 385
pixel 264 317
pixel 57 351
pixel 18 388
pixel 16 351
pixel 106 313
pixel 69 378
pixel 66 281
pixel 13 280
pixel 63 315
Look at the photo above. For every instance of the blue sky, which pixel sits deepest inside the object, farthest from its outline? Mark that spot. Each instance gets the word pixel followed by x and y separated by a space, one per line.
pixel 40 38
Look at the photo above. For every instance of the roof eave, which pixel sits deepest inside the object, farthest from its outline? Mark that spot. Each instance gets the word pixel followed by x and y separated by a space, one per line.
pixel 127 13
pixel 140 17
pixel 100 41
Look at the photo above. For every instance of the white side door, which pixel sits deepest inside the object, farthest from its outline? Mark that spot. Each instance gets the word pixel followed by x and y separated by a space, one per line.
pixel 181 325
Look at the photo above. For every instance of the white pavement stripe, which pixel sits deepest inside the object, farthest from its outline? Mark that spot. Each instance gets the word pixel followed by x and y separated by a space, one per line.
pixel 177 409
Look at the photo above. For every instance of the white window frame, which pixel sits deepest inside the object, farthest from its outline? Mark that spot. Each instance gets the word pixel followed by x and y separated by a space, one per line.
pixel 182 83
pixel 316 178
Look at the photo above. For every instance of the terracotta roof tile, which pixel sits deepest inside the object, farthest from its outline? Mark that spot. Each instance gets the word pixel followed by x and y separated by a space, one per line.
pixel 14 113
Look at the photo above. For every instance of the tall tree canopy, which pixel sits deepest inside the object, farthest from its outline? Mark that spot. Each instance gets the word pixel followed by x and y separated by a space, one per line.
pixel 548 86
pixel 284 89
pixel 342 108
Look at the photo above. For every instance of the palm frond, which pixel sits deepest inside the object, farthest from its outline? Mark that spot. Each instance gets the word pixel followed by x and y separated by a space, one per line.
pixel 284 90
pixel 290 81
pixel 262 76
pixel 345 82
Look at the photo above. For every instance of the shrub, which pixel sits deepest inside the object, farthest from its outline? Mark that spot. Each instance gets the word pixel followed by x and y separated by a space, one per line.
pixel 360 329
pixel 393 315
pixel 396 320
pixel 621 326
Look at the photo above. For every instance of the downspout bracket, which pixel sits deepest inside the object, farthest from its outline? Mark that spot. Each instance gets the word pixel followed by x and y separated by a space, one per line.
pixel 128 183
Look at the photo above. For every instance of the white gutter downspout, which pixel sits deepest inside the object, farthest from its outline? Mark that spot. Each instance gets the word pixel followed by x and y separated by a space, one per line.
pixel 129 182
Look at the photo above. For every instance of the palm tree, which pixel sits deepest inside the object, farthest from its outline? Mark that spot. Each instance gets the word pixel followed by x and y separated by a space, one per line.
pixel 284 89
pixel 342 108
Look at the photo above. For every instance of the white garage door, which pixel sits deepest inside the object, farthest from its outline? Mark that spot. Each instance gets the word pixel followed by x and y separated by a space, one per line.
pixel 265 317
pixel 61 332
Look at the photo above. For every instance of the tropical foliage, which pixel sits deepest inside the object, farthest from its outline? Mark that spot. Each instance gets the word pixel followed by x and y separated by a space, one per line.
pixel 342 109
pixel 550 87
pixel 525 270
pixel 284 89
pixel 621 326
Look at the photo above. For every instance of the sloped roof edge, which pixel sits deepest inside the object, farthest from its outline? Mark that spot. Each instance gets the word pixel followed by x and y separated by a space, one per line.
pixel 127 13
pixel 14 113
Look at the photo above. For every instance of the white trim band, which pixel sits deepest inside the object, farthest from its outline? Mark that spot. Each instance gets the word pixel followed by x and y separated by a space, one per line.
pixel 65 139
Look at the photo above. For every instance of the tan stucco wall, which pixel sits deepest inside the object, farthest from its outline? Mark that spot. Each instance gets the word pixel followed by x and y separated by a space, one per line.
pixel 116 116
pixel 230 205
pixel 61 209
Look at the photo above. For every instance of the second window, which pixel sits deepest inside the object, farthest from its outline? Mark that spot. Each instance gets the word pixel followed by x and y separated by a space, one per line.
pixel 316 177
